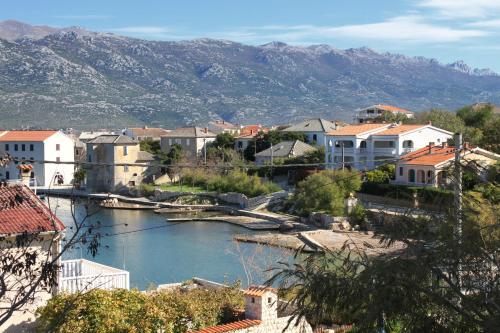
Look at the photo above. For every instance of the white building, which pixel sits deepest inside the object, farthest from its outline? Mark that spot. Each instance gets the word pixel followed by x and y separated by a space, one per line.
pixel 375 112
pixel 365 146
pixel 33 147
pixel 193 140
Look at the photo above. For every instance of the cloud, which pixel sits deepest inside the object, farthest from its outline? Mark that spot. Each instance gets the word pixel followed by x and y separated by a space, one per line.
pixel 462 8
pixel 486 24
pixel 402 29
pixel 84 17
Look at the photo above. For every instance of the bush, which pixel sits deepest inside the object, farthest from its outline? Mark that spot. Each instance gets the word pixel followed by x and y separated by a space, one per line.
pixel 147 189
pixel 428 195
pixel 234 181
pixel 105 311
pixel 381 174
pixel 325 191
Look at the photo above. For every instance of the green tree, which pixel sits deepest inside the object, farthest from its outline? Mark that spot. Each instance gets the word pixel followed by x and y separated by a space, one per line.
pixel 491 135
pixel 224 141
pixel 150 146
pixel 435 282
pixel 174 155
pixel 326 191
pixel 476 117
pixel 390 117
pixel 443 119
pixel 382 174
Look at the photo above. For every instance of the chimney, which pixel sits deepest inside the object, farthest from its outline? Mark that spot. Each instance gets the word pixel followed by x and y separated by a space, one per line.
pixel 430 123
pixel 431 144
pixel 336 125
pixel 205 129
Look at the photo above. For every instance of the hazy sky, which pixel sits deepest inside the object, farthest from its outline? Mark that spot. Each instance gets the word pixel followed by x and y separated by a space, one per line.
pixel 447 30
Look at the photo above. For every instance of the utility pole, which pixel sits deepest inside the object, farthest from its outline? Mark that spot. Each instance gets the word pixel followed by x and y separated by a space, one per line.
pixel 343 155
pixel 458 184
pixel 205 151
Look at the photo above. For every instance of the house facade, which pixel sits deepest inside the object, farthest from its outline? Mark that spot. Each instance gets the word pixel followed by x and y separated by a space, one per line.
pixel 35 147
pixel 313 129
pixel 374 112
pixel 365 146
pixel 222 126
pixel 246 135
pixel 104 156
pixel 193 140
pixel 261 316
pixel 432 165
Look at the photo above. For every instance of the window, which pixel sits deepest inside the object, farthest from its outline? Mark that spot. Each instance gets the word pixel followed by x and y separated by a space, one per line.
pixel 125 168
pixel 269 300
pixel 7 175
pixel 16 147
pixel 253 299
pixel 23 147
pixel 187 142
pixel 32 159
pixel 315 137
pixel 362 144
pixel 6 147
pixel 411 176
pixel 89 158
pixel 240 144
pixel 32 147
pixel 384 144
pixel 58 147
pixel 125 150
pixel 32 175
pixel 400 171
pixel 346 143
pixel 408 144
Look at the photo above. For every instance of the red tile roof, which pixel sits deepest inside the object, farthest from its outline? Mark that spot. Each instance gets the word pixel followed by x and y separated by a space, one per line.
pixel 32 136
pixel 391 108
pixel 237 325
pixel 429 155
pixel 357 129
pixel 258 291
pixel 396 130
pixel 22 211
pixel 251 131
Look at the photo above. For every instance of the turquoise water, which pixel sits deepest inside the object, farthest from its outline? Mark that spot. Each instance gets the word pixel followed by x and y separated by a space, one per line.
pixel 156 251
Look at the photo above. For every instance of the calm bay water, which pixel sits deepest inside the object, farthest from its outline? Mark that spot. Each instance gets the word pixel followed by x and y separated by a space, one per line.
pixel 156 251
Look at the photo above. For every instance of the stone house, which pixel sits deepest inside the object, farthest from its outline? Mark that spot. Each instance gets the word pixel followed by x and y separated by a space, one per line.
pixel 193 140
pixel 282 150
pixel 115 163
pixel 314 129
pixel 261 316
pixel 431 165
pixel 42 149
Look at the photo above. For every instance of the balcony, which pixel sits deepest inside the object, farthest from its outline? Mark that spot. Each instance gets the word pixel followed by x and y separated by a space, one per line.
pixel 385 151
pixel 83 275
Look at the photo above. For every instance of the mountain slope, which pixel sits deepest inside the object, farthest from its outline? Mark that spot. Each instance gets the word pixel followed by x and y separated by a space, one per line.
pixel 82 79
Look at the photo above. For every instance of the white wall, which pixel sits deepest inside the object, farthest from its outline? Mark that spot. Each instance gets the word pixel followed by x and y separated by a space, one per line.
pixel 66 153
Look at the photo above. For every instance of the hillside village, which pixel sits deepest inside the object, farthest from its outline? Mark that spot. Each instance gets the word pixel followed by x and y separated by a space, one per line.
pixel 313 186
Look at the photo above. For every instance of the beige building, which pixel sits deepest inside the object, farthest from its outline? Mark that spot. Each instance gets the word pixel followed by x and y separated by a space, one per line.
pixel 115 163
pixel 431 165
pixel 193 140
pixel 143 133
pixel 261 316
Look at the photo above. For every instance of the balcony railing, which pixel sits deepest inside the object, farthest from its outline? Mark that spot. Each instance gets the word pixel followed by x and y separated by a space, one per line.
pixel 83 275
pixel 390 151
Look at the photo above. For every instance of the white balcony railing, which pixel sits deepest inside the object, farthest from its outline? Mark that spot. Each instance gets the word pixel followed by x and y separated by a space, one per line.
pixel 390 151
pixel 83 275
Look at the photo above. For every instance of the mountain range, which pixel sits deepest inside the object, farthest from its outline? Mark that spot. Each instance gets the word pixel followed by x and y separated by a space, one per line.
pixel 76 78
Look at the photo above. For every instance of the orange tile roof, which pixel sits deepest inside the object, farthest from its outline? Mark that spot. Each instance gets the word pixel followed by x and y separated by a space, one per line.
pixel 32 136
pixel 237 325
pixel 251 131
pixel 396 130
pixel 391 108
pixel 432 155
pixel 22 211
pixel 258 291
pixel 357 129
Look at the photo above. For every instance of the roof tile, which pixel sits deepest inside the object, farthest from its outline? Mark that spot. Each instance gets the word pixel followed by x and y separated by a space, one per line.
pixel 237 325
pixel 27 136
pixel 357 129
pixel 22 211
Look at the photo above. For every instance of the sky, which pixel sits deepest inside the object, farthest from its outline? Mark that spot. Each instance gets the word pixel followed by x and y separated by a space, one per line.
pixel 447 30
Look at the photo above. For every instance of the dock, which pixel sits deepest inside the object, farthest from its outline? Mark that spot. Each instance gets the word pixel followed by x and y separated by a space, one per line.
pixel 242 221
